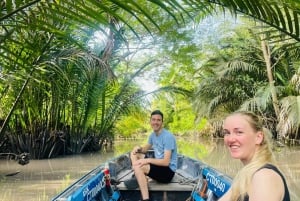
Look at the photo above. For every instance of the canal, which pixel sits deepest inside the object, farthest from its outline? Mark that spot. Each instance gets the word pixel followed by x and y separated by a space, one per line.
pixel 40 180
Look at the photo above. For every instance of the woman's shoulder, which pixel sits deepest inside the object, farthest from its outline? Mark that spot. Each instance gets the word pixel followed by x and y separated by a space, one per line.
pixel 266 182
pixel 268 171
pixel 271 177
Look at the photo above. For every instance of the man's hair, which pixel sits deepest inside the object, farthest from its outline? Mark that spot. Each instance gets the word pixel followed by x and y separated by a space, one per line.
pixel 158 112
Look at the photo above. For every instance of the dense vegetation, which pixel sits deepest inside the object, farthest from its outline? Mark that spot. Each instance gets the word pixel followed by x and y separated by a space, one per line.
pixel 71 70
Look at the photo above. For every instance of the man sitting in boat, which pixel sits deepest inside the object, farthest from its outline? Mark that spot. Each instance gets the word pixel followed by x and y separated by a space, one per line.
pixel 161 168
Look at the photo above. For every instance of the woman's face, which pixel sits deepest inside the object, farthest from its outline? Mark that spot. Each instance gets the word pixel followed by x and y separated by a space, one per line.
pixel 240 138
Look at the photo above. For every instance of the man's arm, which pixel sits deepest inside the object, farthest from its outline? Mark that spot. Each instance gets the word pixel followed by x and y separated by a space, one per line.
pixel 145 148
pixel 141 149
pixel 161 162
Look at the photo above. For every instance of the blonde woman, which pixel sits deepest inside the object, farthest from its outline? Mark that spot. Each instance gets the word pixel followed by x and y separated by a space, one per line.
pixel 259 179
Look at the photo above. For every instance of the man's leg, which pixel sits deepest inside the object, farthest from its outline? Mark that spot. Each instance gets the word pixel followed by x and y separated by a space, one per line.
pixel 140 174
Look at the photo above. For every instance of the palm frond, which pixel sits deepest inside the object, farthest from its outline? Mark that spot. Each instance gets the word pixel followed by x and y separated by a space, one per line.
pixel 295 81
pixel 283 15
pixel 237 66
pixel 289 118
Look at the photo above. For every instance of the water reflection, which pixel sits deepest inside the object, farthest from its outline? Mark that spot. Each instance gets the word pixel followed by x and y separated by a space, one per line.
pixel 40 180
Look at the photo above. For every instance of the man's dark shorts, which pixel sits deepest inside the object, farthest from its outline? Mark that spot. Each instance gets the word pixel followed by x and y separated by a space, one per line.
pixel 161 174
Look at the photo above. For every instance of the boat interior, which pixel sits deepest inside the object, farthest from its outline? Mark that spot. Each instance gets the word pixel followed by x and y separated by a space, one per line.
pixel 185 181
pixel 193 181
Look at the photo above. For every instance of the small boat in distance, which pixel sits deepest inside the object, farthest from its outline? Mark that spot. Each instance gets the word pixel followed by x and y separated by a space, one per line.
pixel 193 181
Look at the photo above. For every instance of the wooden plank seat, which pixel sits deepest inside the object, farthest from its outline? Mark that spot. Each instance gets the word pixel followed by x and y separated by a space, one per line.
pixel 178 183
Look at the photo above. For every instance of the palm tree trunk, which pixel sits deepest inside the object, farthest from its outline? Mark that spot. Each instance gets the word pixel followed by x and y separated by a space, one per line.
pixel 267 56
pixel 3 127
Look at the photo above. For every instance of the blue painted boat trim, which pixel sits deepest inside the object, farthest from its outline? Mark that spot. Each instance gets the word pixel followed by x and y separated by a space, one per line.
pixel 197 197
pixel 115 196
pixel 217 182
pixel 87 188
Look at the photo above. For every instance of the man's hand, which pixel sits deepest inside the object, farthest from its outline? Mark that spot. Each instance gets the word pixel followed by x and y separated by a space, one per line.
pixel 137 149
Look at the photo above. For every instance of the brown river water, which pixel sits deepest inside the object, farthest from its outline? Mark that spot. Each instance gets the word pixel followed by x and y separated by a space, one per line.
pixel 41 180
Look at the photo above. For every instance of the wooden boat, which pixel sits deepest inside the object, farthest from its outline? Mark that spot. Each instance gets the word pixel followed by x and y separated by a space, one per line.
pixel 193 181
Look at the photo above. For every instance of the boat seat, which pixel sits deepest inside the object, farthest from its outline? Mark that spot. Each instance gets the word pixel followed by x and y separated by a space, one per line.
pixel 178 183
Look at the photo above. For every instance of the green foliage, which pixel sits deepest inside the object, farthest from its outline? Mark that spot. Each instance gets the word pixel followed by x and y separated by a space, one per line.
pixel 124 146
pixel 51 78
pixel 133 125
pixel 236 77
pixel 192 148
pixel 183 120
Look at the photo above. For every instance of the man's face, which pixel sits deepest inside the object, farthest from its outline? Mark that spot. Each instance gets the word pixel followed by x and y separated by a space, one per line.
pixel 156 122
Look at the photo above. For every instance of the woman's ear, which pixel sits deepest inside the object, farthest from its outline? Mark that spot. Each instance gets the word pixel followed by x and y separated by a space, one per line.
pixel 259 137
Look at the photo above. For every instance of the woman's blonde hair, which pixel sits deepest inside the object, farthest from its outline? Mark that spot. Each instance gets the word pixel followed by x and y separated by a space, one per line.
pixel 242 180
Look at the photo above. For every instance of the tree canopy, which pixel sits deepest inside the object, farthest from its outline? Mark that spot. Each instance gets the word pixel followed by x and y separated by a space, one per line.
pixel 69 68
